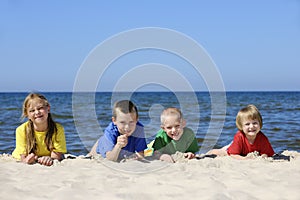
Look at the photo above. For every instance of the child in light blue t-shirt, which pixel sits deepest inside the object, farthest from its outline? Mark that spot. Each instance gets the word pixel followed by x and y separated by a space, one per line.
pixel 124 136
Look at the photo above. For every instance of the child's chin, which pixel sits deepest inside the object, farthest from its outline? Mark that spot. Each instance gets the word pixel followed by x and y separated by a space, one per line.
pixel 176 138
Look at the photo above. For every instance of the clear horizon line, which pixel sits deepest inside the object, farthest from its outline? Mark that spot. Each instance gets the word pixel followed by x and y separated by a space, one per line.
pixel 67 91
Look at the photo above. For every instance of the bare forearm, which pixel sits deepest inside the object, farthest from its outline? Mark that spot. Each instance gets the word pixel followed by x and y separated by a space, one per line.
pixel 93 151
pixel 238 157
pixel 57 155
pixel 113 154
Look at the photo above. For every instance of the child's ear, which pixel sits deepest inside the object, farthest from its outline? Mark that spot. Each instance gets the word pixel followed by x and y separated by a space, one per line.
pixel 113 120
pixel 183 123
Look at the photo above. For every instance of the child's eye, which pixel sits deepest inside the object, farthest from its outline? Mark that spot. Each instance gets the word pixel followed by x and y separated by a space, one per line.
pixel 132 123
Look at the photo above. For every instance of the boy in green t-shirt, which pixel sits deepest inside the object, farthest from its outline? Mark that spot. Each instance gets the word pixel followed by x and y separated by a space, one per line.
pixel 174 136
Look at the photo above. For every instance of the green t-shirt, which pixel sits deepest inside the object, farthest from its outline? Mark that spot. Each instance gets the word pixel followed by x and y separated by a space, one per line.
pixel 187 143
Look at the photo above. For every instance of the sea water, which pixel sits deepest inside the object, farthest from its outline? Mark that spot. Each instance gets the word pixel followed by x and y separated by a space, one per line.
pixel 86 115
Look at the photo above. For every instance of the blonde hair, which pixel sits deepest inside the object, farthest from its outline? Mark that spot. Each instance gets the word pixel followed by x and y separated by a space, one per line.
pixel 170 111
pixel 248 112
pixel 125 106
pixel 31 146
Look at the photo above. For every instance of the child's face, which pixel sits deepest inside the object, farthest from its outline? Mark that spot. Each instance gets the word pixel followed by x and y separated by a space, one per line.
pixel 173 127
pixel 37 111
pixel 126 123
pixel 250 127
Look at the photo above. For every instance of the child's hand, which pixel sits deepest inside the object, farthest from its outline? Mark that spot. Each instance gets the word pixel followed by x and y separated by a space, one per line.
pixel 167 158
pixel 30 159
pixel 45 160
pixel 122 140
pixel 189 155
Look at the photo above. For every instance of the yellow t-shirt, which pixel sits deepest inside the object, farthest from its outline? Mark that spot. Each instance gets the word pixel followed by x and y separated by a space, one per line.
pixel 59 141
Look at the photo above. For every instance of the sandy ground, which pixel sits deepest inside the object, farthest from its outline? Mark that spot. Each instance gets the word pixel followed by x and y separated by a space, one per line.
pixel 206 178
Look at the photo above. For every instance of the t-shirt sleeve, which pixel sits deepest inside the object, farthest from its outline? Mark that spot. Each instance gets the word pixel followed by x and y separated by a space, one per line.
pixel 191 139
pixel 236 146
pixel 158 143
pixel 194 146
pixel 20 142
pixel 105 143
pixel 266 147
pixel 59 141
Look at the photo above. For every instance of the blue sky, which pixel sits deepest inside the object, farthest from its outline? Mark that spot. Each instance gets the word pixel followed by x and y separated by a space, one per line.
pixel 255 44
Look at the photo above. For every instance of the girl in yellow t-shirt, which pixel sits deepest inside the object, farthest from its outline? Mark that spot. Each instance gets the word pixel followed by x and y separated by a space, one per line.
pixel 40 139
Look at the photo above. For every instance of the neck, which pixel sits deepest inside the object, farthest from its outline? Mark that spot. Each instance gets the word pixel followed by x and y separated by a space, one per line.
pixel 40 127
pixel 251 139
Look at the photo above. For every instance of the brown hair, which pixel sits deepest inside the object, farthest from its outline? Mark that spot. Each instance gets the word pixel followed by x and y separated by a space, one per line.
pixel 248 112
pixel 31 146
pixel 125 106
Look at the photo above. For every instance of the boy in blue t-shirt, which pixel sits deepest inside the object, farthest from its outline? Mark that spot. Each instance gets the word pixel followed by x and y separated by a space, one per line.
pixel 124 136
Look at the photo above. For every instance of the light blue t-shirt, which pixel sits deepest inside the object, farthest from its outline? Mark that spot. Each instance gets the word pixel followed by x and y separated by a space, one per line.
pixel 136 142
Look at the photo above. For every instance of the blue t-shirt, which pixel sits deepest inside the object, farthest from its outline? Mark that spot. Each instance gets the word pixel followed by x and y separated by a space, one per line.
pixel 136 142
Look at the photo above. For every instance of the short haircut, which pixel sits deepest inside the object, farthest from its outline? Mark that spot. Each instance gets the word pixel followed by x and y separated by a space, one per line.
pixel 125 106
pixel 170 111
pixel 248 112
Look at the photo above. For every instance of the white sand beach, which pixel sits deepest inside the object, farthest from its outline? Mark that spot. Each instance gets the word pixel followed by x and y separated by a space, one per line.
pixel 207 178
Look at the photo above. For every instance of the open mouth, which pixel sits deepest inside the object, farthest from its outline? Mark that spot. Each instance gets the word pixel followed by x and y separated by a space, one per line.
pixel 175 135
pixel 38 117
pixel 252 131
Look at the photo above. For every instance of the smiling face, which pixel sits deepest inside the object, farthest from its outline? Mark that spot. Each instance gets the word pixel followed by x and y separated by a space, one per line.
pixel 173 126
pixel 250 127
pixel 126 122
pixel 37 111
pixel 249 121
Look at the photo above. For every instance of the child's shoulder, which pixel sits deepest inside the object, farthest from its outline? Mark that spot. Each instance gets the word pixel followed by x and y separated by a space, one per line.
pixel 58 125
pixel 261 134
pixel 138 123
pixel 188 130
pixel 22 126
pixel 139 130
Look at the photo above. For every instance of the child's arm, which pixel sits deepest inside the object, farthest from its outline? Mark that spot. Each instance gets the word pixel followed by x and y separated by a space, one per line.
pixel 189 155
pixel 45 160
pixel 140 154
pixel 93 151
pixel 239 157
pixel 57 155
pixel 167 158
pixel 163 157
pixel 251 155
pixel 113 155
pixel 29 159
pixel 48 160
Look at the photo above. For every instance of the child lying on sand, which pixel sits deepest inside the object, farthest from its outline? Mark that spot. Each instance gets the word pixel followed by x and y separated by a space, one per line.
pixel 249 137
